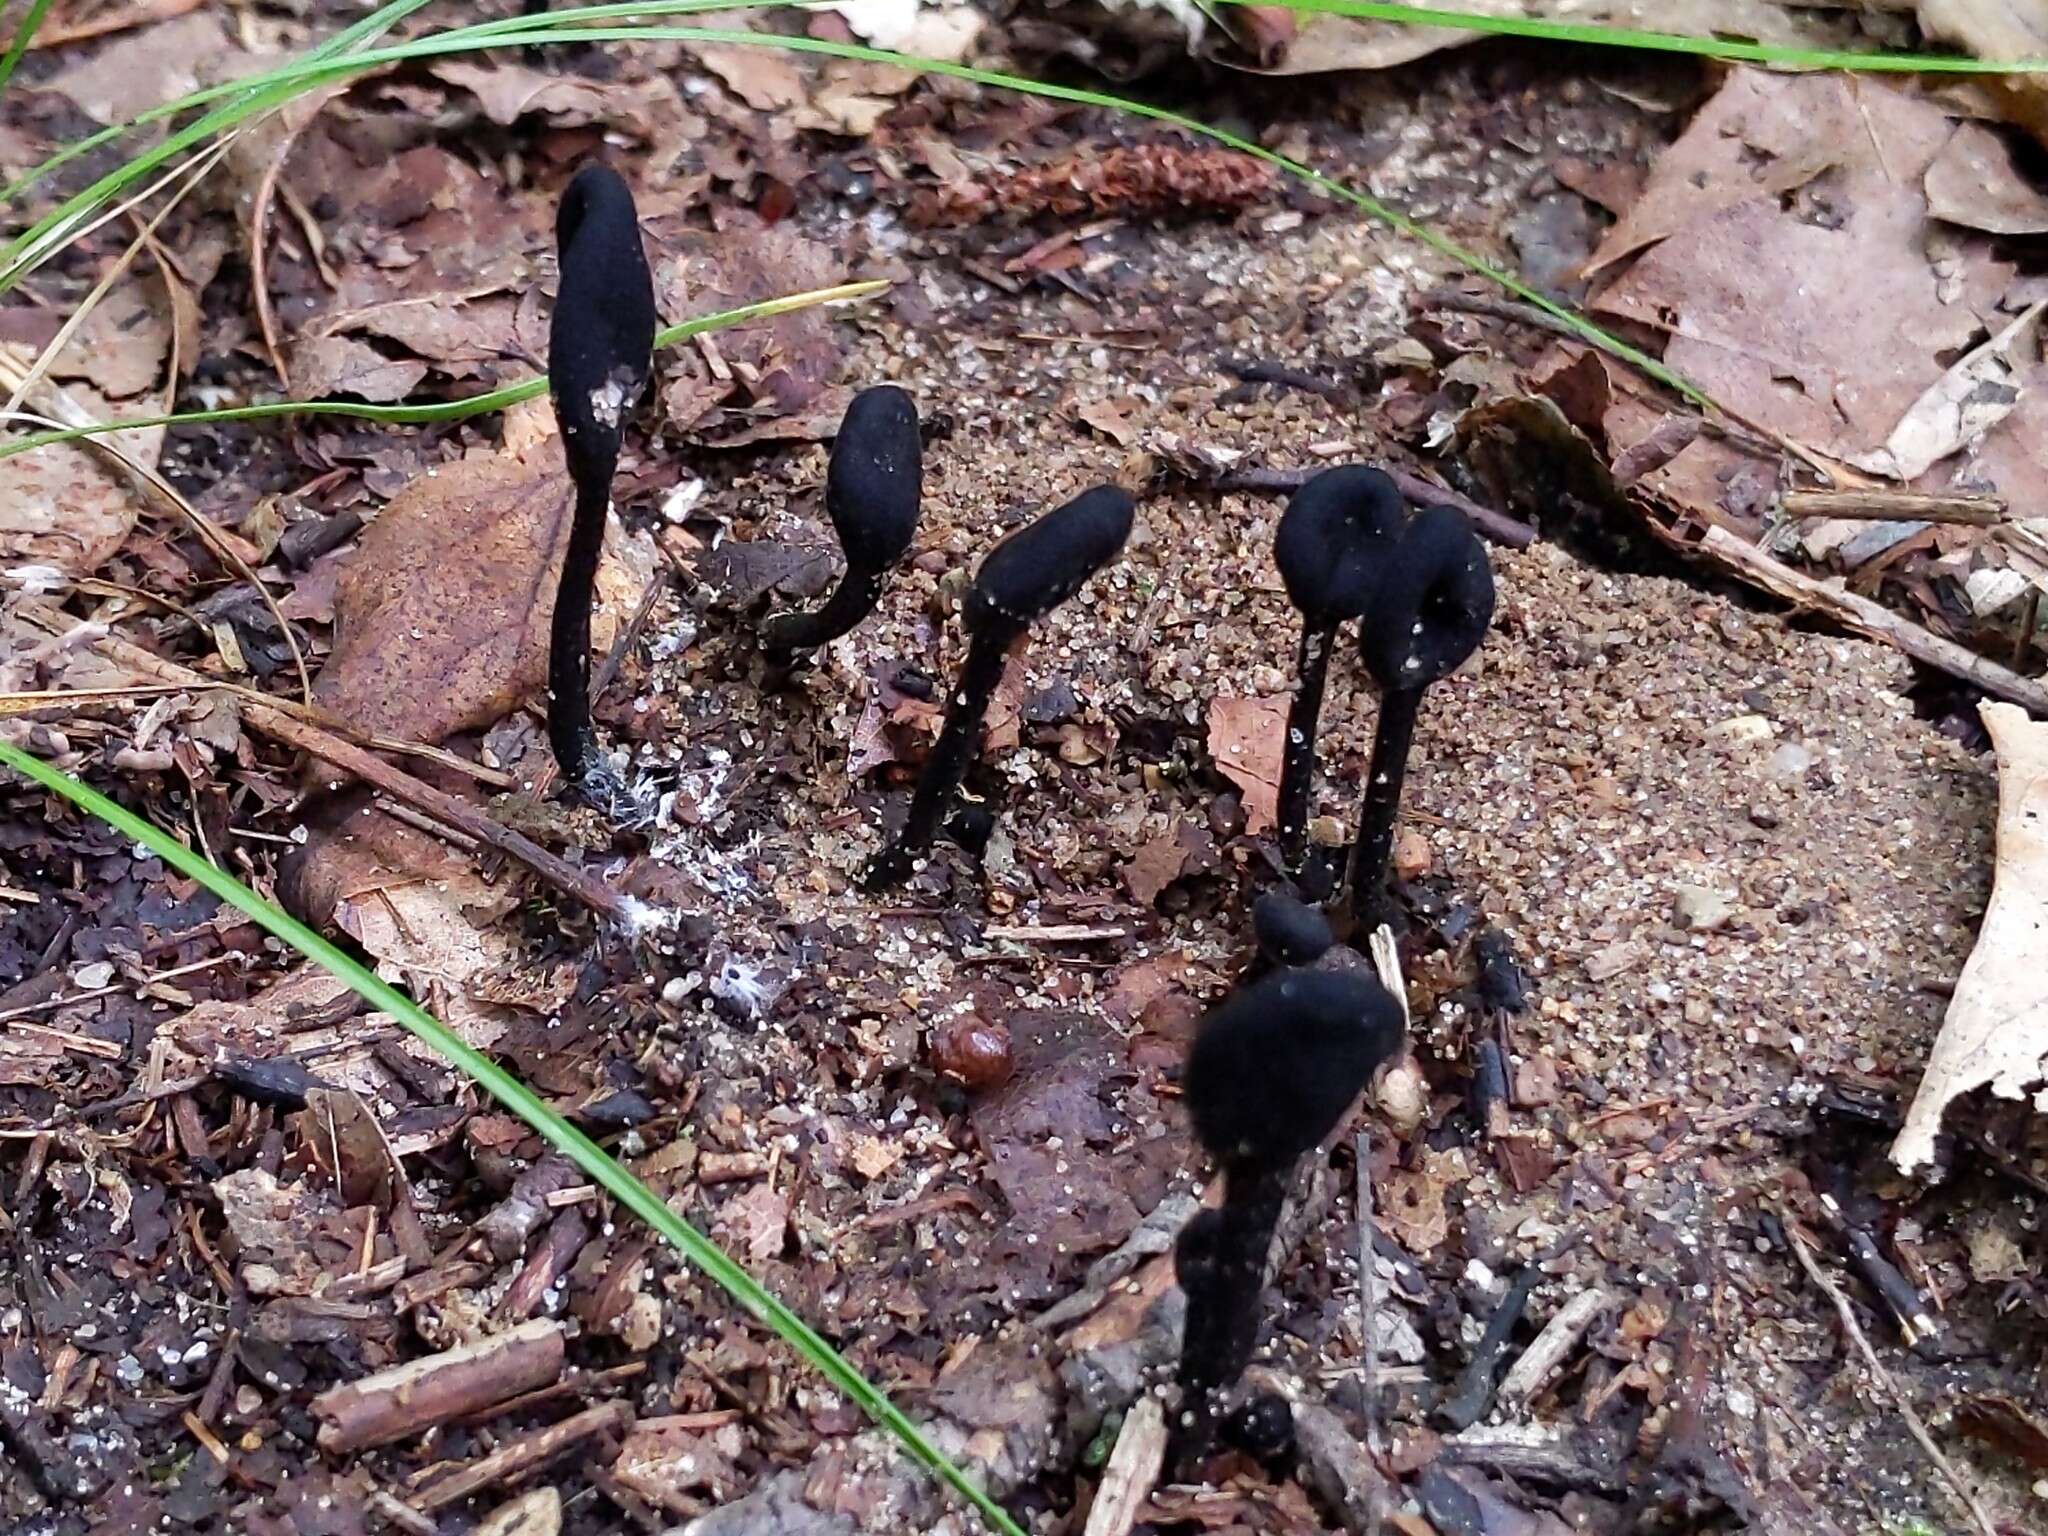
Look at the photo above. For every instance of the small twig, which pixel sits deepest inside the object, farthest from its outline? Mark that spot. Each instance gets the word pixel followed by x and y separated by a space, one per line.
pixel 1497 309
pixel 1368 1306
pixel 1882 1377
pixel 516 1458
pixel 1881 506
pixel 1873 619
pixel 1497 526
pixel 628 637
pixel 283 725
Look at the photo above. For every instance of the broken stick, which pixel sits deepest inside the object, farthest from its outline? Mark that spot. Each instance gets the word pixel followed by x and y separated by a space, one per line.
pixel 1874 620
pixel 519 1457
pixel 449 810
pixel 403 1400
pixel 1882 1377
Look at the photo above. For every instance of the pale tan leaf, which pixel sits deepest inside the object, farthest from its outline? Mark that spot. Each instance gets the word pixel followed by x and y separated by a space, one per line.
pixel 1995 1034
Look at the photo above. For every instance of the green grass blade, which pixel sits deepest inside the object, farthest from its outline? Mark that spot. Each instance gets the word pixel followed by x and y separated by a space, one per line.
pixel 23 36
pixel 450 410
pixel 1581 327
pixel 249 101
pixel 595 1162
pixel 1393 218
pixel 306 72
pixel 1600 35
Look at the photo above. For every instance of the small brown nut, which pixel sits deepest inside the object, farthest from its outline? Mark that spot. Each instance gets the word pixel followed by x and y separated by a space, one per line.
pixel 973 1051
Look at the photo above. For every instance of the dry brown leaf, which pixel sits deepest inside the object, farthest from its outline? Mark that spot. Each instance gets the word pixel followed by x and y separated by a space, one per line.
pixel 1998 29
pixel 780 365
pixel 1112 418
pixel 342 365
pixel 1413 1202
pixel 1326 43
pixel 1759 136
pixel 1996 1031
pixel 1856 315
pixel 1247 740
pixel 442 617
pixel 1974 396
pixel 1155 866
pixel 147 68
pixel 66 508
pixel 1974 182
pixel 424 915
pixel 756 1221
pixel 766 79
pixel 508 92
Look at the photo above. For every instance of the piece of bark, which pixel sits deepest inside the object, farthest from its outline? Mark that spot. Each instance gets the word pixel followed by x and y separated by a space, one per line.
pixel 507 1225
pixel 518 1457
pixel 1543 1359
pixel 403 1400
pixel 1133 1471
pixel 566 1235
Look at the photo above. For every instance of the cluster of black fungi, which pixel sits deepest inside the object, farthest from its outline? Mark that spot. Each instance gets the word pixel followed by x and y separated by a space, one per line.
pixel 1276 1068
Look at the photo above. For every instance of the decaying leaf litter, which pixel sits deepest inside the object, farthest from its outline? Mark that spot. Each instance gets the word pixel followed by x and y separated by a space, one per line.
pixel 1739 870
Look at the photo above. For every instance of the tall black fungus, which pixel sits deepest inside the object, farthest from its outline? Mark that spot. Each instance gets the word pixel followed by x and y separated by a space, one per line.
pixel 872 485
pixel 1271 1073
pixel 1330 547
pixel 1431 611
pixel 1021 580
pixel 600 350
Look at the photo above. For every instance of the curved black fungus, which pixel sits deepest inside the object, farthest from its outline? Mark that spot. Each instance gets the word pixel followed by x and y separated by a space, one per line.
pixel 1276 1064
pixel 600 349
pixel 1288 930
pixel 1022 579
pixel 1271 1073
pixel 1433 609
pixel 1044 563
pixel 873 483
pixel 1330 547
pixel 1263 1428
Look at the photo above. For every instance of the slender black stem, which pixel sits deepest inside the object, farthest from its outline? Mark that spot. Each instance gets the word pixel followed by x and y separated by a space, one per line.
pixel 570 732
pixel 1298 762
pixel 853 600
pixel 947 765
pixel 1365 885
pixel 1223 1303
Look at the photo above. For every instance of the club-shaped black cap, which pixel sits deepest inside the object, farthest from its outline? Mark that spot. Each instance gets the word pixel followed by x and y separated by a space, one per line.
pixel 1332 543
pixel 1043 564
pixel 601 339
pixel 1433 608
pixel 1288 930
pixel 875 478
pixel 1278 1062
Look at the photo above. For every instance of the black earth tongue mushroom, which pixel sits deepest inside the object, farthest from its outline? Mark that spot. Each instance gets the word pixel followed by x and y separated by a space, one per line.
pixel 872 485
pixel 1272 1072
pixel 1287 931
pixel 600 351
pixel 1330 547
pixel 1432 609
pixel 1022 579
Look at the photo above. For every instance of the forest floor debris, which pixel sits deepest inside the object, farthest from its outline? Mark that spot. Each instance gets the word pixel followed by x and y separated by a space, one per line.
pixel 1736 868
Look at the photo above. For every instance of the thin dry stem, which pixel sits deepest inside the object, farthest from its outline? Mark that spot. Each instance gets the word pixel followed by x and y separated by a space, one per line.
pixel 1914 1425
